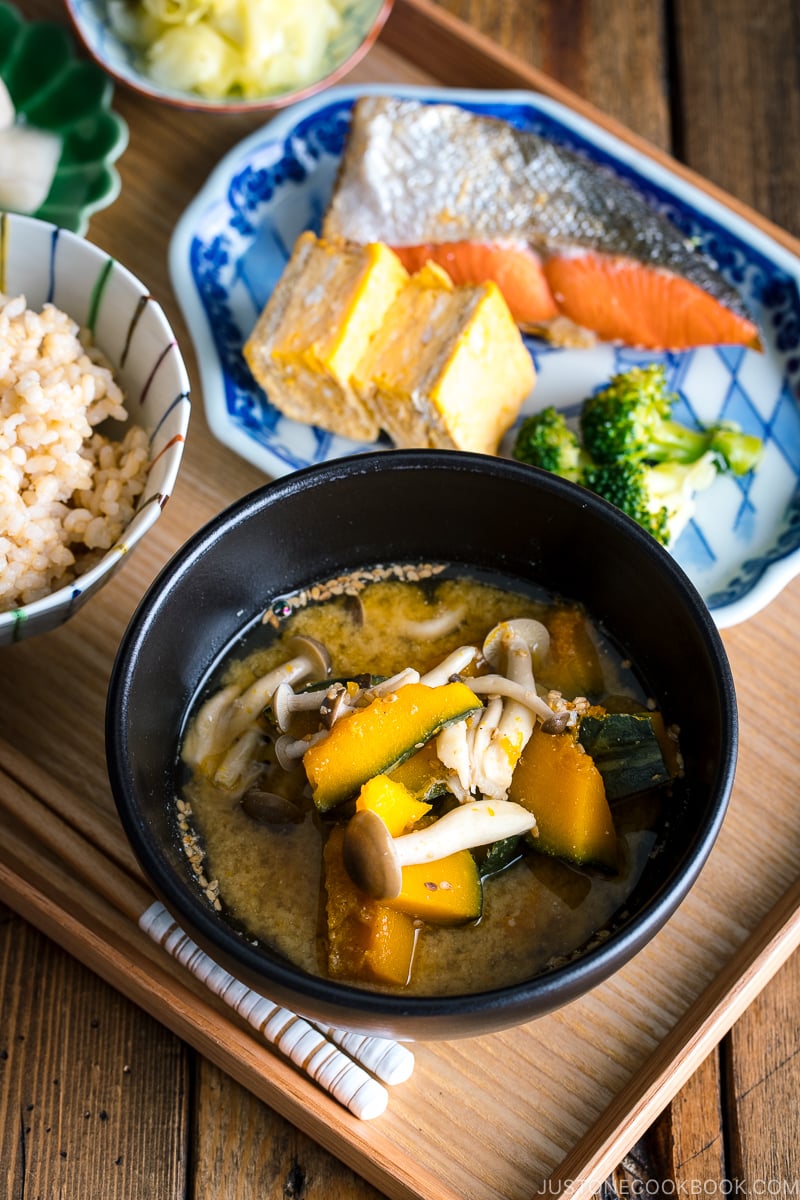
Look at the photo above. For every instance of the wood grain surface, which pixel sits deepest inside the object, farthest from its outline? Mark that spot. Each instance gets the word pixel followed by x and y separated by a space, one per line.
pixel 97 1099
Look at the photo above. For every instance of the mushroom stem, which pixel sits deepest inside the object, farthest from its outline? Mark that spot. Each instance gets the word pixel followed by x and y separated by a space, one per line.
pixel 510 647
pixel 286 701
pixel 289 750
pixel 433 627
pixel 394 682
pixel 454 664
pixel 311 659
pixel 374 859
pixel 501 685
pixel 205 735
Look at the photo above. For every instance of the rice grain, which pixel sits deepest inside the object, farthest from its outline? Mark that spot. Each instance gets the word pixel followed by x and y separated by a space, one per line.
pixel 67 491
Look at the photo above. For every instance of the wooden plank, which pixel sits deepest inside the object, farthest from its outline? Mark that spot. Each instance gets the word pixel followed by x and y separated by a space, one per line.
pixel 239 1143
pixel 763 1071
pixel 688 1141
pixel 736 65
pixel 93 1093
pixel 595 50
pixel 739 109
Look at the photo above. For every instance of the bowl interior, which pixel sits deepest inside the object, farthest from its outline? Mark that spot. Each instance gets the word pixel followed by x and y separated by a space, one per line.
pixel 409 507
pixel 361 20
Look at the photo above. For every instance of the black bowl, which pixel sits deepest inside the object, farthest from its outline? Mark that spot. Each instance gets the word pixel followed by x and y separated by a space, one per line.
pixel 483 514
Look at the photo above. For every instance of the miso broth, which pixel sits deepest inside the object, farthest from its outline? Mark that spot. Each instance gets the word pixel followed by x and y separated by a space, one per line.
pixel 268 878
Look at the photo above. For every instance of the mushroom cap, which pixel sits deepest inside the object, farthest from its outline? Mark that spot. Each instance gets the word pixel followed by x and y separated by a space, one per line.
pixel 370 858
pixel 533 633
pixel 314 651
pixel 268 808
pixel 281 705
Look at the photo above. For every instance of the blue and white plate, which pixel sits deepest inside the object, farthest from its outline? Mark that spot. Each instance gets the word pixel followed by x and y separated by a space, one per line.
pixel 232 243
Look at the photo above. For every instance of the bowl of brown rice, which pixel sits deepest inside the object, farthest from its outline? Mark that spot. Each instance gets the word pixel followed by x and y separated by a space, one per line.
pixel 94 409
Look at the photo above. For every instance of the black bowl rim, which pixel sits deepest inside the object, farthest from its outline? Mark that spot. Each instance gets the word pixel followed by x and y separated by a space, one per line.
pixel 535 996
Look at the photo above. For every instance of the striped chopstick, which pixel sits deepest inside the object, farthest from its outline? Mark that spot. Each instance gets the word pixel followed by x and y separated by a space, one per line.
pixel 302 1042
pixel 350 1067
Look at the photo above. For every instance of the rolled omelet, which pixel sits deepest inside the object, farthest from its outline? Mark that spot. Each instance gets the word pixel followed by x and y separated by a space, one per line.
pixel 447 369
pixel 351 343
pixel 316 327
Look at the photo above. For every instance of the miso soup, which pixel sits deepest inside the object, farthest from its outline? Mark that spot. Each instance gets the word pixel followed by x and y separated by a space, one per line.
pixel 416 693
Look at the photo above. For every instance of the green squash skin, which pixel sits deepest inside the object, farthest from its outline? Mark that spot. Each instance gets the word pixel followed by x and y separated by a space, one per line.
pixel 329 795
pixel 626 752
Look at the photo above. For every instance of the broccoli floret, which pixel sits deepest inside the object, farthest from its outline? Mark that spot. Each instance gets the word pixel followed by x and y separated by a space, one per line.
pixel 740 452
pixel 630 419
pixel 660 498
pixel 545 440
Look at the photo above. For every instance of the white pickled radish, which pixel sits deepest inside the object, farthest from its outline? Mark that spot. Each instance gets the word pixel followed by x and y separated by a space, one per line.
pixel 28 161
pixel 7 111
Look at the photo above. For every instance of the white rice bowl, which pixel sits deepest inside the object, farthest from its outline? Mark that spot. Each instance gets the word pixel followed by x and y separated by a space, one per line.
pixel 94 408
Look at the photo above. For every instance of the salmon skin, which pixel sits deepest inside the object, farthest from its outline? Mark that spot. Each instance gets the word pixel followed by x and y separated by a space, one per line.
pixel 558 233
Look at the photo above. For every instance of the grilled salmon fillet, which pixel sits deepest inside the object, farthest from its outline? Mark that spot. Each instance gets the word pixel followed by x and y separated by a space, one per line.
pixel 561 236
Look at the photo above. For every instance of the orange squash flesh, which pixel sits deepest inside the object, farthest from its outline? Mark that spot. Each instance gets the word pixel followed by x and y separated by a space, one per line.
pixel 374 739
pixel 445 892
pixel 573 664
pixel 423 773
pixel 392 802
pixel 562 787
pixel 367 941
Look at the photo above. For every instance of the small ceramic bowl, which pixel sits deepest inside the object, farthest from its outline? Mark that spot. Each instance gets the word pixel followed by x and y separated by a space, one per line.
pixel 53 89
pixel 46 264
pixel 482 515
pixel 361 23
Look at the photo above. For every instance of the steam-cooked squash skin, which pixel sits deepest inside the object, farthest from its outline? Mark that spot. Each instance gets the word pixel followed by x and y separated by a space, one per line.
pixel 559 783
pixel 372 740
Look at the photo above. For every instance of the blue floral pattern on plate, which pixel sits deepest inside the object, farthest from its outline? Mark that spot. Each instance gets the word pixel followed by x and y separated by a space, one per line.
pixel 232 243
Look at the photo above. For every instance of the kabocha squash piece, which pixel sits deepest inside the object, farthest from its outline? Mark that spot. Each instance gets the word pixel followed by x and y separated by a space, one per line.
pixel 373 740
pixel 573 663
pixel 667 740
pixel 559 783
pixel 627 751
pixel 495 858
pixel 445 892
pixel 368 942
pixel 424 774
pixel 392 802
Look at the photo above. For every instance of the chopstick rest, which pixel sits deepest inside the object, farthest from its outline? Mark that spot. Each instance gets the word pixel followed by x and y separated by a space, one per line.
pixel 304 1044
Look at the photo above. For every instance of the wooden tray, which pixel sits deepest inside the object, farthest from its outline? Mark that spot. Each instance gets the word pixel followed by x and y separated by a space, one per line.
pixel 550 1106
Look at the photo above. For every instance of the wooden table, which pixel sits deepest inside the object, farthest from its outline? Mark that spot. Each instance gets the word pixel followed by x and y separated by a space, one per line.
pixel 97 1099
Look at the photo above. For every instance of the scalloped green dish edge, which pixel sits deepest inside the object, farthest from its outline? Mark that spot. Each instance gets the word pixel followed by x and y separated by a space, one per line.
pixel 53 88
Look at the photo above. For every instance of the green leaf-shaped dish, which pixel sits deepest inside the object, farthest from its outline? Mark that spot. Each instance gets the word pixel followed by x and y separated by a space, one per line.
pixel 52 88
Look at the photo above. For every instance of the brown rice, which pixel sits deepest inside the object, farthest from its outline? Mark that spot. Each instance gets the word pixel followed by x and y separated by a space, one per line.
pixel 66 490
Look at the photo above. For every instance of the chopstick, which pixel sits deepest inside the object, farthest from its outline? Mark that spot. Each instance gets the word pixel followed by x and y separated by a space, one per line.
pixel 350 1067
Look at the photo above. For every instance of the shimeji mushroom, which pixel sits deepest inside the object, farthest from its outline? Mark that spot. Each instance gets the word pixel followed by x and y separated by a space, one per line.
pixel 483 753
pixel 511 648
pixel 231 712
pixel 286 702
pixel 310 660
pixel 374 859
pixel 434 627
